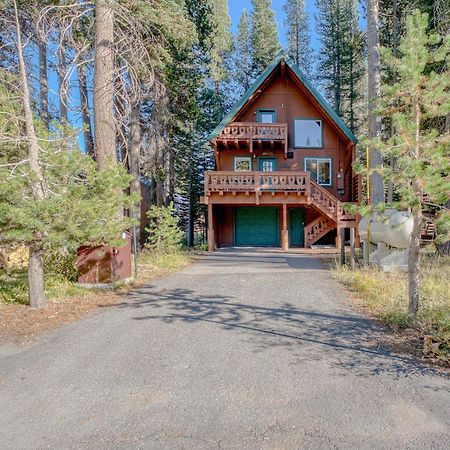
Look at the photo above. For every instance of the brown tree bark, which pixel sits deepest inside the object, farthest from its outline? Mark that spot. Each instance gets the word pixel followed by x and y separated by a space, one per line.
pixel 62 71
pixel 85 111
pixel 390 187
pixel 104 126
pixel 414 246
pixel 36 293
pixel 135 166
pixel 43 79
pixel 374 92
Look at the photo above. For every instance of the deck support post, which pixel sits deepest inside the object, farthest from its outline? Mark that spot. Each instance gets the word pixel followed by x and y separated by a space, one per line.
pixel 211 240
pixel 352 248
pixel 284 230
pixel 341 234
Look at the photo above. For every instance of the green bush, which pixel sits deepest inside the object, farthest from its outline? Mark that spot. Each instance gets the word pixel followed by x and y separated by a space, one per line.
pixel 61 261
pixel 164 233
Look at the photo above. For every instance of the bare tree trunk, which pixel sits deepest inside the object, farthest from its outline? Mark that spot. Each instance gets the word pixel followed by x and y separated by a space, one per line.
pixel 414 247
pixel 104 126
pixel 85 111
pixel 374 91
pixel 43 79
pixel 171 180
pixel 390 187
pixel 62 71
pixel 135 166
pixel 414 265
pixel 36 293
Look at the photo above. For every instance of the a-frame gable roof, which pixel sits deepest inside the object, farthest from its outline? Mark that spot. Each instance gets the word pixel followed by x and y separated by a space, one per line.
pixel 249 94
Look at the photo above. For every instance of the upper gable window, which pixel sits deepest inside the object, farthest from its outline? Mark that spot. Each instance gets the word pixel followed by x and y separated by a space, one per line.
pixel 266 116
pixel 308 133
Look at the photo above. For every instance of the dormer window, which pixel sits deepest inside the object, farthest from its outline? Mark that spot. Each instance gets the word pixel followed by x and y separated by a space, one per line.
pixel 266 116
pixel 308 133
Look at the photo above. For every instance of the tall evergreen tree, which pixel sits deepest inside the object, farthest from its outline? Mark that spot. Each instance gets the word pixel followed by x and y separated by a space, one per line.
pixel 421 147
pixel 340 60
pixel 104 124
pixel 222 42
pixel 374 93
pixel 243 53
pixel 195 107
pixel 299 35
pixel 264 35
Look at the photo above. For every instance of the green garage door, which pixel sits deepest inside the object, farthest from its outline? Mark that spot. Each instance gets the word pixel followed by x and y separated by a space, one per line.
pixel 256 226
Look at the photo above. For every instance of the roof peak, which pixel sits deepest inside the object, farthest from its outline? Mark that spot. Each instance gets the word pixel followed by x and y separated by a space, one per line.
pixel 303 79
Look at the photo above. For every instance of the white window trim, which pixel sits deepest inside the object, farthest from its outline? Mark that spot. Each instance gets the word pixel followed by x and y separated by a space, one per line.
pixel 309 120
pixel 240 158
pixel 321 159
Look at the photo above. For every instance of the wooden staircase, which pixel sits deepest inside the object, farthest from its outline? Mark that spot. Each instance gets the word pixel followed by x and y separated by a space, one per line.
pixel 332 213
pixel 318 228
pixel 323 201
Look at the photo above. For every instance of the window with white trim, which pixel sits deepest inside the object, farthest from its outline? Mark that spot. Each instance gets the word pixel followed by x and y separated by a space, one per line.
pixel 320 170
pixel 243 163
pixel 308 133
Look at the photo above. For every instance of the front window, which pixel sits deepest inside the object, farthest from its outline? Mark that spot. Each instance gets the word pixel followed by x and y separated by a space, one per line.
pixel 266 116
pixel 320 169
pixel 243 163
pixel 308 133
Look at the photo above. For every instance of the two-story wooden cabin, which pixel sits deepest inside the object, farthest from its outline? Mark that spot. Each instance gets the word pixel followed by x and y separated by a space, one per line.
pixel 284 167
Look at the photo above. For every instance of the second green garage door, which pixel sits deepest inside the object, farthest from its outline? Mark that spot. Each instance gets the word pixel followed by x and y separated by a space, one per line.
pixel 256 226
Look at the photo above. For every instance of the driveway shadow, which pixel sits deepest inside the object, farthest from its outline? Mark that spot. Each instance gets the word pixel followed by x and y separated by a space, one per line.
pixel 347 341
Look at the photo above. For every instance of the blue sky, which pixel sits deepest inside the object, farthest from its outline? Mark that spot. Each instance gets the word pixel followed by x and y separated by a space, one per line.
pixel 237 6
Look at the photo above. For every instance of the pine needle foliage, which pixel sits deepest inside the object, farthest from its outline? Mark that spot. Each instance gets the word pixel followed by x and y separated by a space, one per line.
pixel 243 53
pixel 164 233
pixel 77 207
pixel 299 35
pixel 264 35
pixel 415 104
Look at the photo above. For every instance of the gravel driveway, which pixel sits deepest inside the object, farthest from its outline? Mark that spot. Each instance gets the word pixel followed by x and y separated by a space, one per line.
pixel 243 349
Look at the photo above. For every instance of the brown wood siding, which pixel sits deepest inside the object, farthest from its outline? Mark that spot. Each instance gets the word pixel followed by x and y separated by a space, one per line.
pixel 290 102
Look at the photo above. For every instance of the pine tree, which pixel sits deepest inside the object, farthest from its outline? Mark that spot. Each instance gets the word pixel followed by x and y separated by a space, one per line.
pixel 104 123
pixel 373 92
pixel 340 61
pixel 264 35
pixel 353 67
pixel 243 53
pixel 299 35
pixel 421 148
pixel 222 42
pixel 195 107
pixel 164 233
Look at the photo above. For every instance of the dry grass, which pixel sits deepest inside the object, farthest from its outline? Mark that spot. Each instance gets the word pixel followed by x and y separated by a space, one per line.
pixel 386 297
pixel 151 264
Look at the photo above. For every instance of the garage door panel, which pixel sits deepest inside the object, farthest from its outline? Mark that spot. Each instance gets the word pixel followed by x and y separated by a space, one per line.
pixel 256 226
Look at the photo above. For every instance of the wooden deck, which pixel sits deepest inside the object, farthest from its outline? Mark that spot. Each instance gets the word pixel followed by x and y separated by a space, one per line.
pixel 278 188
pixel 249 134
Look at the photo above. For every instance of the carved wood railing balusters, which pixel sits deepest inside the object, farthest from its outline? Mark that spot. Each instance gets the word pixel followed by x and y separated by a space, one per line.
pixel 318 228
pixel 254 131
pixel 299 183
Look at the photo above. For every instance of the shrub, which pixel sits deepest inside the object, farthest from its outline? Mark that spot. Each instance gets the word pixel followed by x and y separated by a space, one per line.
pixel 164 233
pixel 61 261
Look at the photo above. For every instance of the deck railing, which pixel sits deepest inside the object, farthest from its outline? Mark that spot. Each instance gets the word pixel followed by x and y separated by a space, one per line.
pixel 256 181
pixel 254 131
pixel 287 182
